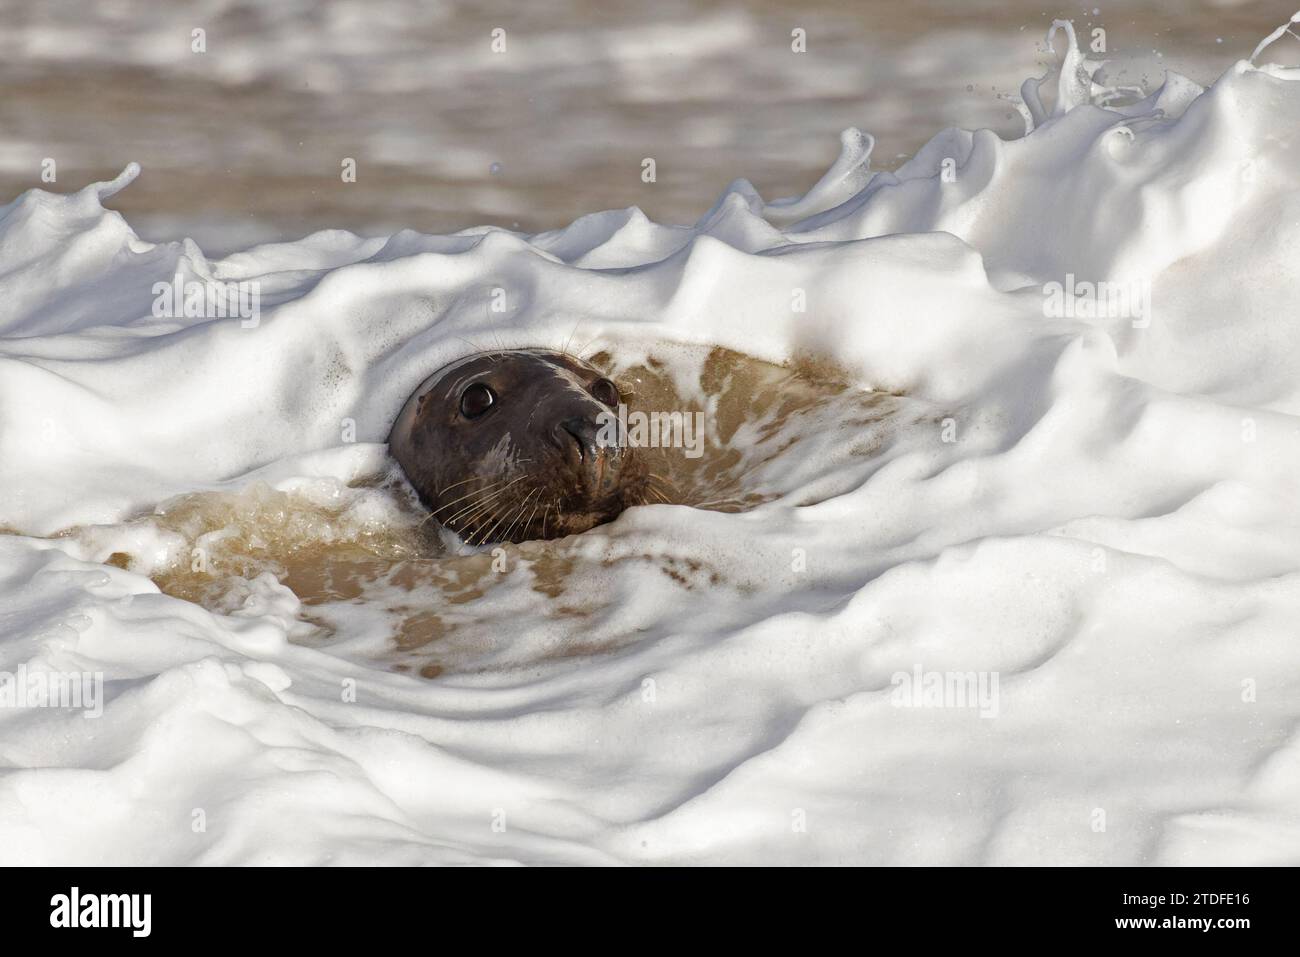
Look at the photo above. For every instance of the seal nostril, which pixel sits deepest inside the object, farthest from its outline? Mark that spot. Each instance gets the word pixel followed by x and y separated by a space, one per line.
pixel 583 435
pixel 597 460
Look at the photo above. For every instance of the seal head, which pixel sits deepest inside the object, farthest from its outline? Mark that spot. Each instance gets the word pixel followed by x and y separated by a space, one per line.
pixel 518 445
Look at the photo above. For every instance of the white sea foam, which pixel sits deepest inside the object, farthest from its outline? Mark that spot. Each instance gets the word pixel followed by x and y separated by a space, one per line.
pixel 1097 515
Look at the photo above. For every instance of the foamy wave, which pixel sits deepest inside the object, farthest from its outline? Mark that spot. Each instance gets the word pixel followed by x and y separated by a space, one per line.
pixel 1097 508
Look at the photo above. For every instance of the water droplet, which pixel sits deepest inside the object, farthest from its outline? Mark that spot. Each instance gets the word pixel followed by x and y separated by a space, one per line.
pixel 494 168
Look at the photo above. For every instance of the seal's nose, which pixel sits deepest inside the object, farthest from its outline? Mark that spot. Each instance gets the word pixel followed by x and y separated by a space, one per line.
pixel 592 455
pixel 584 434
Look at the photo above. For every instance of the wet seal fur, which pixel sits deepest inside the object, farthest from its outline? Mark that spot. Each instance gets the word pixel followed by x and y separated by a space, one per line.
pixel 509 446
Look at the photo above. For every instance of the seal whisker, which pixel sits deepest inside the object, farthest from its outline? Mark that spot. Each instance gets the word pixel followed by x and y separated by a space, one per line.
pixel 469 515
pixel 506 534
pixel 473 345
pixel 658 496
pixel 483 500
pixel 583 348
pixel 529 521
pixel 444 491
pixel 668 490
pixel 478 526
pixel 518 513
pixel 487 530
pixel 471 521
pixel 511 527
pixel 663 488
pixel 486 495
pixel 491 503
pixel 477 491
pixel 572 333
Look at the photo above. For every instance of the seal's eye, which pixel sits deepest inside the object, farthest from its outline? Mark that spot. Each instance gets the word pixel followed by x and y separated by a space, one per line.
pixel 602 390
pixel 476 400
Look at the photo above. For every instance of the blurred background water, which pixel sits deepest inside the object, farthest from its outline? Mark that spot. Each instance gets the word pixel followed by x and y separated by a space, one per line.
pixel 244 142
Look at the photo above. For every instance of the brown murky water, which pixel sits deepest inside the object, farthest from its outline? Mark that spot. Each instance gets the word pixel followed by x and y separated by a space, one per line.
pixel 243 141
pixel 422 592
